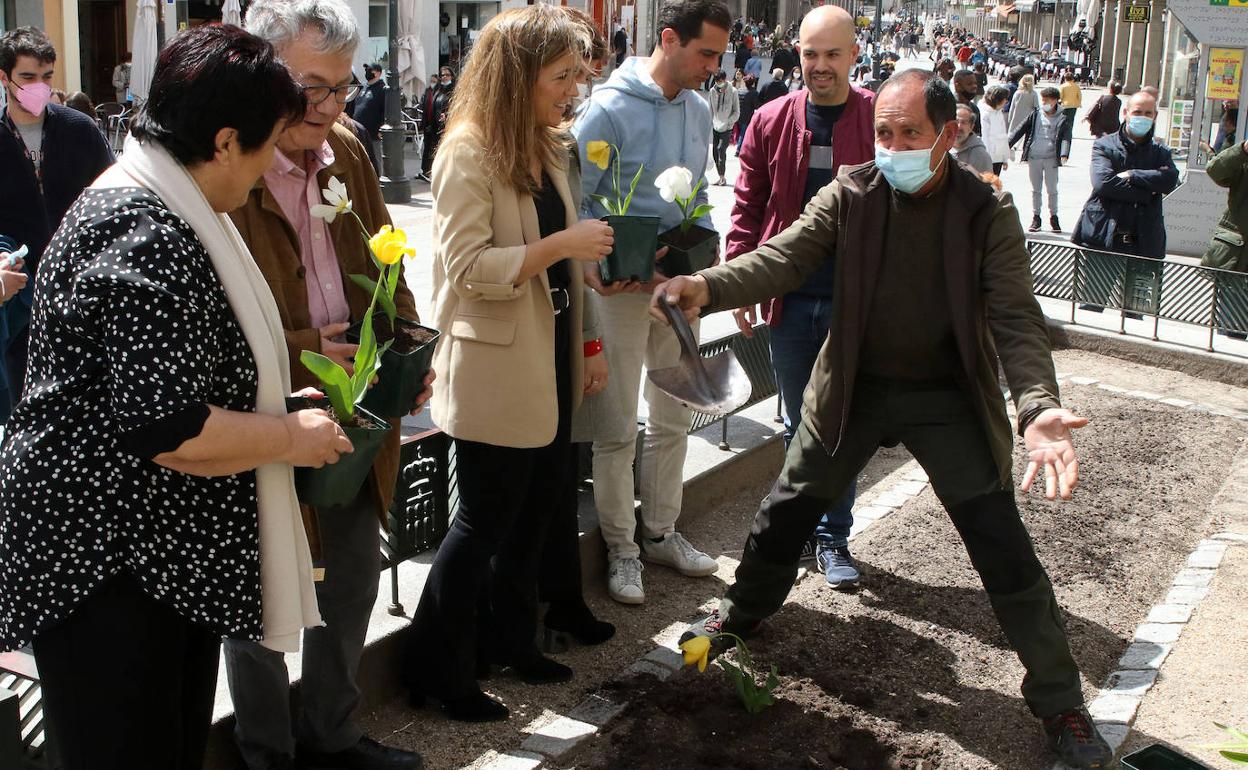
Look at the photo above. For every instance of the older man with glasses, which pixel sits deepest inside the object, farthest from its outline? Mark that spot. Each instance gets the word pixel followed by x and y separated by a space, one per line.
pixel 305 260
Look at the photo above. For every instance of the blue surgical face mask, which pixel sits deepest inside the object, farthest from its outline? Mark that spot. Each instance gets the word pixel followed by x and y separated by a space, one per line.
pixel 907 170
pixel 1139 126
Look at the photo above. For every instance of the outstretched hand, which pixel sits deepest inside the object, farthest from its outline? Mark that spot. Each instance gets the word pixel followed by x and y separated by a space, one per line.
pixel 1050 446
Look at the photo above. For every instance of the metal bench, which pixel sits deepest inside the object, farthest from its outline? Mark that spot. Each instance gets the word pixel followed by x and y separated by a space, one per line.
pixel 23 739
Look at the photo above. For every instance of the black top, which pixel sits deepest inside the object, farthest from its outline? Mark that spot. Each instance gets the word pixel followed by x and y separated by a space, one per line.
pixel 132 336
pixel 909 333
pixel 551 218
pixel 820 122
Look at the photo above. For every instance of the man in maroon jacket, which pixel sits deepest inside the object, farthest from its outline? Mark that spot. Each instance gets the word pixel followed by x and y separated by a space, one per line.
pixel 793 148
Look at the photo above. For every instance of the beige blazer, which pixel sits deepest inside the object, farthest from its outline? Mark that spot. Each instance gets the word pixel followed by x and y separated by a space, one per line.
pixel 495 360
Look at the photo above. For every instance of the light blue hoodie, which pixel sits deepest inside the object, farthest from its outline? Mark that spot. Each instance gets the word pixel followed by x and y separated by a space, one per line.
pixel 630 112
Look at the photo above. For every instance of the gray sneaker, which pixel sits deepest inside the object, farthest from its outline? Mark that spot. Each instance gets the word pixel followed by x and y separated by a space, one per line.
pixel 838 566
pixel 624 581
pixel 678 553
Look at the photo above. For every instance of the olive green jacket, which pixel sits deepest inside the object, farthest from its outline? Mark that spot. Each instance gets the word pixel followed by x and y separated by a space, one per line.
pixel 1226 248
pixel 987 270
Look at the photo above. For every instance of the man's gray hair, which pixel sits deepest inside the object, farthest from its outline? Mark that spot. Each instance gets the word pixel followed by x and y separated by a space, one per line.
pixel 282 21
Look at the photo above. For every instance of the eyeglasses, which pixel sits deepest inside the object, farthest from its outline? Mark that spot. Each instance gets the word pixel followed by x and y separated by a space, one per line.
pixel 317 94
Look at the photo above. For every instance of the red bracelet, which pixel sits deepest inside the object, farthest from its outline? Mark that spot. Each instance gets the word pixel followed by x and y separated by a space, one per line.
pixel 592 348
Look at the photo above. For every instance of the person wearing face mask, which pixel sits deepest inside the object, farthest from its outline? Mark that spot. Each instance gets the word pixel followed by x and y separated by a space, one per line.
pixel 1131 174
pixel 1046 147
pixel 49 154
pixel 369 110
pixel 792 150
pixel 725 109
pixel 915 362
pixel 434 108
pixel 966 90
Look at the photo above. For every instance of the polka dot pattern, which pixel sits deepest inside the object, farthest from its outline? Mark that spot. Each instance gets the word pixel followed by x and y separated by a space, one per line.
pixel 130 327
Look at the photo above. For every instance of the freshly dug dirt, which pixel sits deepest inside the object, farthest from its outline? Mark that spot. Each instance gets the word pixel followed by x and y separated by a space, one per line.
pixel 407 337
pixel 913 671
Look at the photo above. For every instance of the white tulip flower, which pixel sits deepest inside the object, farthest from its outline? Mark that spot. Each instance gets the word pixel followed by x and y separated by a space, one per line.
pixel 675 184
pixel 336 197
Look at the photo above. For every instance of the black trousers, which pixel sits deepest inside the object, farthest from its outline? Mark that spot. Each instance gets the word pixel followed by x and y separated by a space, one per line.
pixel 128 683
pixel 433 137
pixel 480 599
pixel 720 149
pixel 939 425
pixel 560 578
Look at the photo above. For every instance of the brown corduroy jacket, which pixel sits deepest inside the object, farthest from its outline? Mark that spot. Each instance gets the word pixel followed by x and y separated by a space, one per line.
pixel 275 246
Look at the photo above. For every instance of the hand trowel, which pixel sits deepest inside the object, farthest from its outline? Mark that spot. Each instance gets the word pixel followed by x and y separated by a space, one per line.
pixel 716 385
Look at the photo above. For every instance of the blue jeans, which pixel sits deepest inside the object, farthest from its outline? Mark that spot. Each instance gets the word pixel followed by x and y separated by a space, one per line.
pixel 795 344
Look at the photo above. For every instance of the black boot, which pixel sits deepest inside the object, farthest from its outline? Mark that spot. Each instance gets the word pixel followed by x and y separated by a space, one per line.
pixel 1035 224
pixel 366 754
pixel 477 707
pixel 539 669
pixel 1074 738
pixel 1053 223
pixel 573 619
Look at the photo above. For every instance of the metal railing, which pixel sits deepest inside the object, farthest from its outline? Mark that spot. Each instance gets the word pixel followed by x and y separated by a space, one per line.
pixel 23 738
pixel 424 502
pixel 1164 289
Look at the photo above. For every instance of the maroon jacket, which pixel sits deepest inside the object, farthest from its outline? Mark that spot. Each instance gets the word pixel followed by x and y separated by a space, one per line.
pixel 774 159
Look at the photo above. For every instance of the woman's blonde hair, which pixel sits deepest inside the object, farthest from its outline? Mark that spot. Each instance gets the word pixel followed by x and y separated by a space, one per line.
pixel 493 104
pixel 1027 82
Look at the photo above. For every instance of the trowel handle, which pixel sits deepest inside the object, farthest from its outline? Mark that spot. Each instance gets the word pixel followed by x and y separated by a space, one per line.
pixel 680 324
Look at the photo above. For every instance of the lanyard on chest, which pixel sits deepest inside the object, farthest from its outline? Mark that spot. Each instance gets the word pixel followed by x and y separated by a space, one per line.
pixel 37 168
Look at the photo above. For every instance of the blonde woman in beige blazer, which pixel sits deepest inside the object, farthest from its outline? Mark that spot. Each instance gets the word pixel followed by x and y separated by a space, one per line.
pixel 512 364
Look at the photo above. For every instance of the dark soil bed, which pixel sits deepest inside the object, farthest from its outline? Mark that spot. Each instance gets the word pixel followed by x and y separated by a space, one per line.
pixel 912 671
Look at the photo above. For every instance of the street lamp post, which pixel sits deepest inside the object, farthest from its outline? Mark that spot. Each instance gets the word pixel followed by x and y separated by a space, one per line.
pixel 395 186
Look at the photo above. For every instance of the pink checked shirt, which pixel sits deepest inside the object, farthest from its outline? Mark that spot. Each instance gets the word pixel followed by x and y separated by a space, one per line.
pixel 297 191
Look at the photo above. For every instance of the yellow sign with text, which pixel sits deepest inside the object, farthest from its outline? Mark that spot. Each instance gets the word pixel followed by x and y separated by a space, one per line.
pixel 1231 3
pixel 1135 14
pixel 1226 70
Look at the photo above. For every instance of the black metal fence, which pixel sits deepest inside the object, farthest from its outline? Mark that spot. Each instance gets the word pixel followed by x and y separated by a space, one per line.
pixel 1164 289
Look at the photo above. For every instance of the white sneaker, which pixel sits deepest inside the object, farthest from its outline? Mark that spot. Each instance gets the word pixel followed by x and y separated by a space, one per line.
pixel 624 581
pixel 676 552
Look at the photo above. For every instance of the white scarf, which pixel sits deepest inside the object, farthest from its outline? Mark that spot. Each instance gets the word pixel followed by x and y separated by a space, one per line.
pixel 288 596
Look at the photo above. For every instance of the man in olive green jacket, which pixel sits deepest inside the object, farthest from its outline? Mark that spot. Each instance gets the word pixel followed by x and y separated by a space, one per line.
pixel 931 271
pixel 1230 170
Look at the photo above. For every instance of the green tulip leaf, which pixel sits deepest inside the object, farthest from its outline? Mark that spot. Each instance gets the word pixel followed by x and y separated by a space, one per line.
pixel 336 384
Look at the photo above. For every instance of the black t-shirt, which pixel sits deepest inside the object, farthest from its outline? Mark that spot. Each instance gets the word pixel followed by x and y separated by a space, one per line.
pixel 551 218
pixel 820 121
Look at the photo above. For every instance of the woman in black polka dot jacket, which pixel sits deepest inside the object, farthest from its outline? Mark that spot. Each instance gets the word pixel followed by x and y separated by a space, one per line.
pixel 129 524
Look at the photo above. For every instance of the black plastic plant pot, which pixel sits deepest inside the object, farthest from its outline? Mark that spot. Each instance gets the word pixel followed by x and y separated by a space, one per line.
pixel 403 366
pixel 636 240
pixel 687 252
pixel 1160 757
pixel 338 484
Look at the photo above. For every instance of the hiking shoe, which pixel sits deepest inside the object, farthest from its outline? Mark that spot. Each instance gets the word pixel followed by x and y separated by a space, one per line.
pixel 676 552
pixel 1054 224
pixel 1075 740
pixel 838 566
pixel 1034 227
pixel 809 548
pixel 624 581
pixel 714 624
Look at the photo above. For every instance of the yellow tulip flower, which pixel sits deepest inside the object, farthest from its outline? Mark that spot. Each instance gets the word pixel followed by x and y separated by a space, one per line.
pixel 599 153
pixel 390 245
pixel 697 650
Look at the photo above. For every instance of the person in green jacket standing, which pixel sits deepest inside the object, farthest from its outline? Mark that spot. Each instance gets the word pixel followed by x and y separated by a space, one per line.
pixel 1226 250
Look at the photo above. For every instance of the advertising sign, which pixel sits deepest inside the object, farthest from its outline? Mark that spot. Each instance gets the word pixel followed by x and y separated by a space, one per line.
pixel 1135 14
pixel 1226 66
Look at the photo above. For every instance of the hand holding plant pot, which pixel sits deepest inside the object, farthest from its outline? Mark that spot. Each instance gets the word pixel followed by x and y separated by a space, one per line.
pixel 407 347
pixel 691 247
pixel 636 237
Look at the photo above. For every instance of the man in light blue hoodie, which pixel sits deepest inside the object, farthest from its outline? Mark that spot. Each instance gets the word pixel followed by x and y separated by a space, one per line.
pixel 651 111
